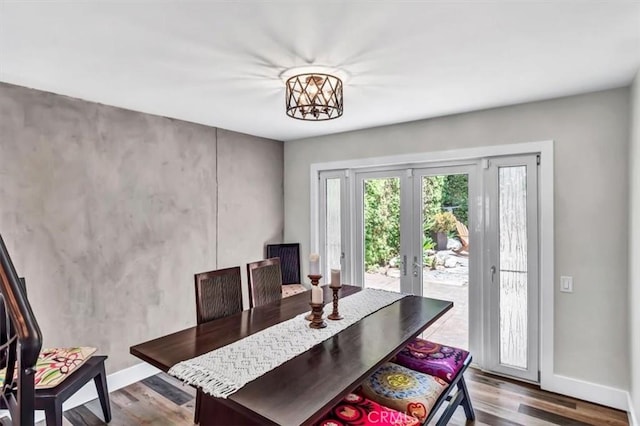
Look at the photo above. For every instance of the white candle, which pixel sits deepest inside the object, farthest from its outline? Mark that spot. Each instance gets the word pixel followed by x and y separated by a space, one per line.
pixel 314 264
pixel 335 278
pixel 316 294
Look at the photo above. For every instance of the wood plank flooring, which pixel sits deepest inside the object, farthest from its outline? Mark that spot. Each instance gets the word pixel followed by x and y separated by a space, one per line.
pixel 162 400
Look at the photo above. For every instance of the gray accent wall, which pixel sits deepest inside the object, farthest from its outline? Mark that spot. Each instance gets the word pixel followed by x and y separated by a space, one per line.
pixel 108 213
pixel 634 248
pixel 591 134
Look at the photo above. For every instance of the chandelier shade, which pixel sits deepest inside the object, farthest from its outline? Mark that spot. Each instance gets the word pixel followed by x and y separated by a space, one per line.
pixel 314 97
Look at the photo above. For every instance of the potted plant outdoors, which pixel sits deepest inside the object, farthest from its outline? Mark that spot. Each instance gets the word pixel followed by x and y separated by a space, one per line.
pixel 443 223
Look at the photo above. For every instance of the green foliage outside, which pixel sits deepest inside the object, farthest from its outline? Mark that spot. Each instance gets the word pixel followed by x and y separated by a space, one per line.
pixel 382 213
pixel 381 221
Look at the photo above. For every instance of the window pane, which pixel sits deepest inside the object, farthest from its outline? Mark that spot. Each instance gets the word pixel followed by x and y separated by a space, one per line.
pixel 333 232
pixel 513 265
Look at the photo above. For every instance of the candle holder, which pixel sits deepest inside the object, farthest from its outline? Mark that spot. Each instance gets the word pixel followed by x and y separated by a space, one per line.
pixel 335 315
pixel 315 280
pixel 316 316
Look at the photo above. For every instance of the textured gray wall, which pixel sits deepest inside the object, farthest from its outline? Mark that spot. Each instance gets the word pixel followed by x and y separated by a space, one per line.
pixel 591 134
pixel 108 213
pixel 250 198
pixel 634 247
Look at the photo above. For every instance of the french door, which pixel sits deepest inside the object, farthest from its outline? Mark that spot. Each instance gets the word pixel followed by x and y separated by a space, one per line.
pixel 378 226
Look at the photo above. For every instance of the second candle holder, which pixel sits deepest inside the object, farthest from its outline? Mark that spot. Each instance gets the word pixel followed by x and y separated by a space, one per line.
pixel 335 315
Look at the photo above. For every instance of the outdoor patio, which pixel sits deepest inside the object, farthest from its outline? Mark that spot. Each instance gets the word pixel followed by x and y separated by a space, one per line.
pixel 446 283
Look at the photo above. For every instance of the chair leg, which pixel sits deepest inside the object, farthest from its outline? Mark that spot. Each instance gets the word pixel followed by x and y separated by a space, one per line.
pixel 103 393
pixel 53 413
pixel 466 401
pixel 196 415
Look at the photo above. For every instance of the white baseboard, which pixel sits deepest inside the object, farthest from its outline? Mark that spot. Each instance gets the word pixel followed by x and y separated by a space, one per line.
pixel 633 420
pixel 592 392
pixel 115 381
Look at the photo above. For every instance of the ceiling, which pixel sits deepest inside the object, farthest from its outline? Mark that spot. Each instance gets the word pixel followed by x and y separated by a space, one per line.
pixel 219 62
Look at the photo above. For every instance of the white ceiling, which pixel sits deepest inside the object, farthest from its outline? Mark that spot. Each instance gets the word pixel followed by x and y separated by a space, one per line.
pixel 218 63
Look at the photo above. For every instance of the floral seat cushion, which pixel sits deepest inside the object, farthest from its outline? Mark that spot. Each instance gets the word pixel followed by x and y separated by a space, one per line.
pixel 432 358
pixel 403 389
pixel 56 364
pixel 291 289
pixel 357 410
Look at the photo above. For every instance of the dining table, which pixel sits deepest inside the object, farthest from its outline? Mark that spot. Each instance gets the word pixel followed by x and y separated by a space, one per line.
pixel 302 390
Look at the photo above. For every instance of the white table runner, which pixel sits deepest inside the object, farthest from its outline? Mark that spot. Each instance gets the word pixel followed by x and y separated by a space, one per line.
pixel 225 370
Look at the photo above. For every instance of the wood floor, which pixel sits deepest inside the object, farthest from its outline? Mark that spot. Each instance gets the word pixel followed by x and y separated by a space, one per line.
pixel 162 400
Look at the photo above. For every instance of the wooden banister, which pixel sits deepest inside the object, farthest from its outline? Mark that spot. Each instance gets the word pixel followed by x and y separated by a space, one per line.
pixel 20 344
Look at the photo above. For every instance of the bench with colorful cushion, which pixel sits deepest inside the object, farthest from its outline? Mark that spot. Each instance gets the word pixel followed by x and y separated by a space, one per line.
pixel 355 409
pixel 421 378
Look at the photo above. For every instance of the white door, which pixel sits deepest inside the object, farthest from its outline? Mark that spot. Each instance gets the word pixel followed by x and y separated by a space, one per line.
pixel 456 276
pixel 511 266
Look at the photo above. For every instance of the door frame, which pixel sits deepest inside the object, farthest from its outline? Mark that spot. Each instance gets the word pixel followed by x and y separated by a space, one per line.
pixel 546 221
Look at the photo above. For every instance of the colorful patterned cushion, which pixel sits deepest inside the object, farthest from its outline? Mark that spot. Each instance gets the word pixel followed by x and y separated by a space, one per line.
pixel 405 390
pixel 291 289
pixel 56 364
pixel 432 358
pixel 358 410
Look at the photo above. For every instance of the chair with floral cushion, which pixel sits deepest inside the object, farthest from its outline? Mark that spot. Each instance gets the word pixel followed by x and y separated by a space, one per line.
pixel 53 375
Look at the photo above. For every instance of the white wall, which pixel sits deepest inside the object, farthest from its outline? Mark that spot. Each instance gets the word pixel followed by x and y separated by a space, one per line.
pixel 634 246
pixel 591 134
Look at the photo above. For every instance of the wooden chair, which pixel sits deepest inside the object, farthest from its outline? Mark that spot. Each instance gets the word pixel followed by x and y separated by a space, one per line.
pixel 289 255
pixel 265 281
pixel 463 234
pixel 218 294
pixel 22 360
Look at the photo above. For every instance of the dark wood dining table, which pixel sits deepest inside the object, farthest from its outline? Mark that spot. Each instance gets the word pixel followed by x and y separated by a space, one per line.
pixel 303 389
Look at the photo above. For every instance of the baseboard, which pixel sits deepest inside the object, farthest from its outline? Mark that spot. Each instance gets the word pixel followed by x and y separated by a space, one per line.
pixel 587 391
pixel 633 420
pixel 115 381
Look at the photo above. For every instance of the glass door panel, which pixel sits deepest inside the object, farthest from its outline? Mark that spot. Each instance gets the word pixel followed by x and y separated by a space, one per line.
pixel 333 226
pixel 382 218
pixel 512 232
pixel 382 233
pixel 512 238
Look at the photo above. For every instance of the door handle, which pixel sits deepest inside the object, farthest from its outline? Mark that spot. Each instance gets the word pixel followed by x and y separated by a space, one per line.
pixel 404 265
pixel 493 273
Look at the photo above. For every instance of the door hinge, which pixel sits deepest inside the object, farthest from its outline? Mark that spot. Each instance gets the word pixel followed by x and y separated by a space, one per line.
pixel 538 376
pixel 538 159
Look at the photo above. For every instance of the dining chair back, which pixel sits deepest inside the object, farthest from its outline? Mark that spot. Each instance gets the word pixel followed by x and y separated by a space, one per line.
pixel 218 294
pixel 289 255
pixel 265 281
